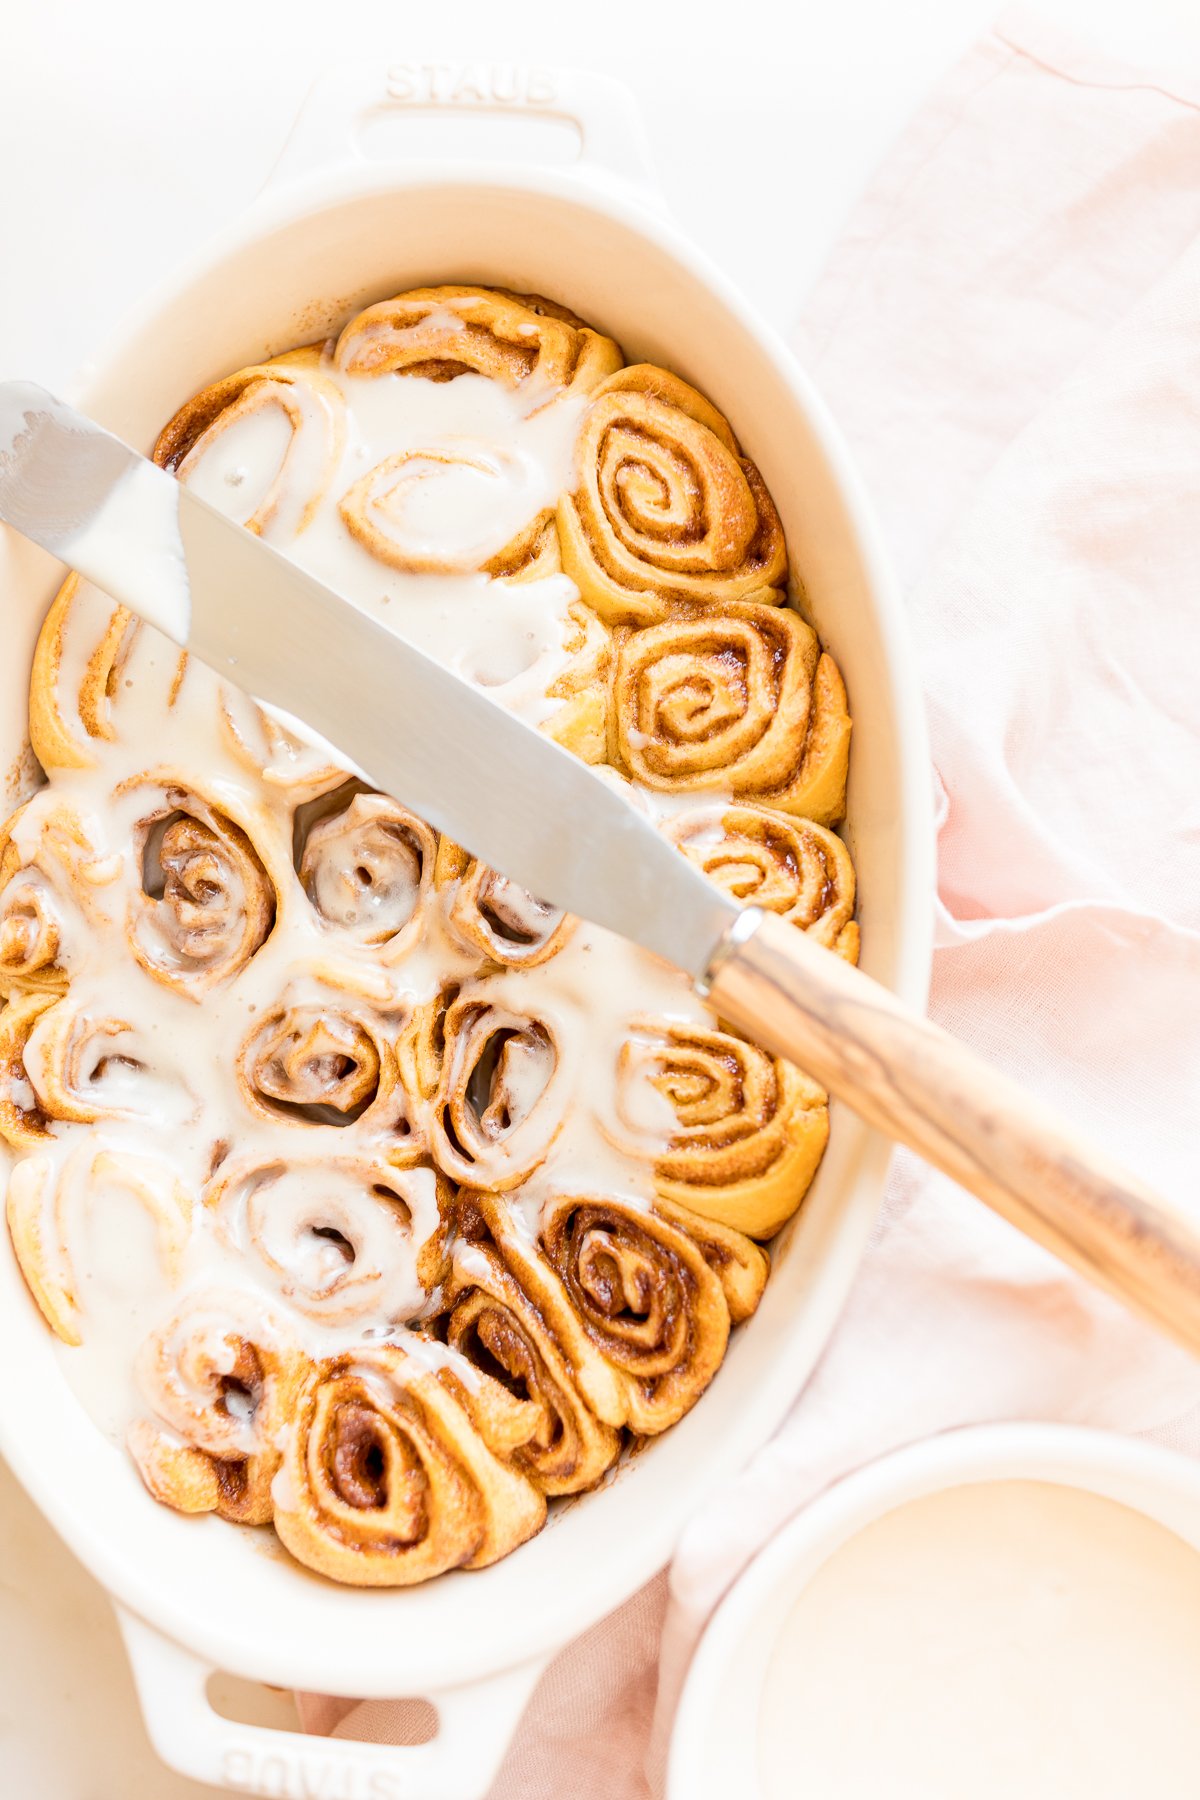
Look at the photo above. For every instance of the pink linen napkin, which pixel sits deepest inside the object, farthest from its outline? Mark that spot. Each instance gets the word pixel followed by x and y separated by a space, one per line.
pixel 1009 332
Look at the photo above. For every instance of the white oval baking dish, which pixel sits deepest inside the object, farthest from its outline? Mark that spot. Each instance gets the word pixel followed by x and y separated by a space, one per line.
pixel 337 227
pixel 713 1746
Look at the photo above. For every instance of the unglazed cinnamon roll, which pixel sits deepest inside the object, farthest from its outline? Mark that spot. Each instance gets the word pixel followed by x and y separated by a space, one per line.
pixel 50 1212
pixel 638 1299
pixel 406 1200
pixel 498 1328
pixel 731 1133
pixel 387 1480
pixel 223 1375
pixel 441 332
pixel 787 866
pixel 744 700
pixel 367 866
pixel 206 902
pixel 667 512
pixel 490 914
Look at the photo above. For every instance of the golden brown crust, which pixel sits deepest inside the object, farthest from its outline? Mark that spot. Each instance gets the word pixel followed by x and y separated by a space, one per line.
pixel 743 700
pixel 443 332
pixel 667 513
pixel 745 1131
pixel 792 867
pixel 387 1480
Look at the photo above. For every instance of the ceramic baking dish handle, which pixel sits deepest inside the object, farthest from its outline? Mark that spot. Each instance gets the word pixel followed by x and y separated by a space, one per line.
pixel 403 112
pixel 475 1725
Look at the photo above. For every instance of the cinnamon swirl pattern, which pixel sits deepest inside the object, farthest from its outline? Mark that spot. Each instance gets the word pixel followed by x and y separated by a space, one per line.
pixel 371 1198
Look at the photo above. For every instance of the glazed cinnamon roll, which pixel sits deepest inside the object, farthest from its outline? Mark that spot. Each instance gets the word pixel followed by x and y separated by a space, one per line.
pixel 329 1063
pixel 667 513
pixel 63 1063
pixel 387 1481
pixel 787 866
pixel 744 699
pixel 338 1238
pixel 389 512
pixel 223 1376
pixel 488 913
pixel 272 435
pixel 519 340
pixel 731 1133
pixel 24 1121
pixel 206 902
pixel 503 1090
pixel 367 866
pixel 654 1294
pixel 69 714
pixel 52 882
pixel 51 1211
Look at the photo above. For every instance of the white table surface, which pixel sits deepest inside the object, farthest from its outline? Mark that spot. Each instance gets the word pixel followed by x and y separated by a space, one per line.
pixel 131 130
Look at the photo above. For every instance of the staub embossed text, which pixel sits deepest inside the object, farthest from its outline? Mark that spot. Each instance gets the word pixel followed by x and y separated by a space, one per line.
pixel 471 84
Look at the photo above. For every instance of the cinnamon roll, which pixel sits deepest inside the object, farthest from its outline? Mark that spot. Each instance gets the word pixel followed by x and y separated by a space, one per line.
pixel 52 881
pixel 273 434
pixel 638 1299
pixel 519 340
pixel 667 513
pixel 206 902
pixel 791 867
pixel 387 1481
pixel 497 1327
pixel 388 510
pixel 745 700
pixel 336 1238
pixel 503 1090
pixel 367 866
pixel 50 1211
pixel 63 1063
pixel 488 913
pixel 77 669
pixel 329 1063
pixel 223 1376
pixel 731 1133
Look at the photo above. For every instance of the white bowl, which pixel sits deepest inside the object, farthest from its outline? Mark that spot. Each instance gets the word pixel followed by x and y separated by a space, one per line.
pixel 714 1742
pixel 195 1593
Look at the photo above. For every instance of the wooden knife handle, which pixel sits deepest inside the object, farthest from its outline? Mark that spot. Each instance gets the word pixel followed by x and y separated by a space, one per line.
pixel 913 1081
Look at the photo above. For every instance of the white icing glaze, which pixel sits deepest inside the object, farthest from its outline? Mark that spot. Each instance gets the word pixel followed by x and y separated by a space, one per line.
pixel 483 462
pixel 995 1639
pixel 337 1263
